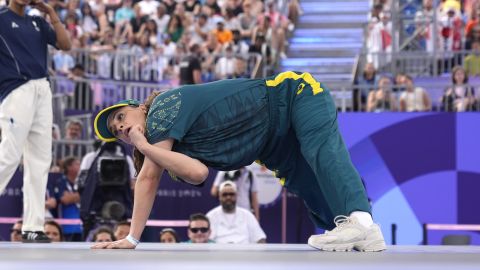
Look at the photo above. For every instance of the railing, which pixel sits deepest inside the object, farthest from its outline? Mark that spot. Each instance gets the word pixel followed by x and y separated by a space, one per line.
pixel 131 65
pixel 417 63
pixel 70 148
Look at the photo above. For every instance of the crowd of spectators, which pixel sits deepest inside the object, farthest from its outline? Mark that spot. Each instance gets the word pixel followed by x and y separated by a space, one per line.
pixel 146 40
pixel 456 44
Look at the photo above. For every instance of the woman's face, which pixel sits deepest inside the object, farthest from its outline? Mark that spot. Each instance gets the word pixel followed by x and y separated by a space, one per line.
pixel 52 233
pixel 459 76
pixel 122 120
pixel 167 237
pixel 103 237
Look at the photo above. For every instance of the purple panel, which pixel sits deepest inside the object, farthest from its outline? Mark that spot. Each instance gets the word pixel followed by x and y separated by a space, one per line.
pixel 419 146
pixel 468 198
pixel 358 126
pixel 372 169
pixel 433 205
pixel 468 142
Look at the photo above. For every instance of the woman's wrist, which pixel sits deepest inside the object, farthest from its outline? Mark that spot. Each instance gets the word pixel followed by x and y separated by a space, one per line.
pixel 132 240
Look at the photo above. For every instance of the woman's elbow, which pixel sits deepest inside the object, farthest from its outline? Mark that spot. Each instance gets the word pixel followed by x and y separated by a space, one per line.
pixel 199 175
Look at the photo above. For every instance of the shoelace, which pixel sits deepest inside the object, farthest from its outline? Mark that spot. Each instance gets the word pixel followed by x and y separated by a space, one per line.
pixel 340 222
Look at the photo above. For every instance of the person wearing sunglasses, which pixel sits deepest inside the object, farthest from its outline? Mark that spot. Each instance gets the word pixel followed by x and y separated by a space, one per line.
pixel 231 224
pixel 199 229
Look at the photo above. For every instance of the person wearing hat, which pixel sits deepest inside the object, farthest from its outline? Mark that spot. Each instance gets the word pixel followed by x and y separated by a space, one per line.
pixel 231 224
pixel 287 122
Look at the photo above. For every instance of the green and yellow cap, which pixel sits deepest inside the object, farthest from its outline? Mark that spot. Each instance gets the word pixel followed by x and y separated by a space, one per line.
pixel 101 120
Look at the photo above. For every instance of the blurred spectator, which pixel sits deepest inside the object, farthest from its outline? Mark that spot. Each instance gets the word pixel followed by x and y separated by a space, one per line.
pixel 73 130
pixel 16 231
pixel 366 83
pixel 231 21
pixel 170 5
pixel 214 6
pixel 199 30
pixel 222 34
pixel 148 7
pixel 294 11
pixel 247 20
pixel 137 21
pixel 89 22
pixel 225 67
pixel 469 28
pixel 175 28
pixel 472 61
pixel 168 47
pixel 260 46
pixel 162 18
pixel 54 231
pixel 125 13
pixel 460 96
pixel 151 31
pixel 66 193
pixel 246 186
pixel 121 230
pixel 192 6
pixel 82 95
pixel 199 229
pixel 62 62
pixel 232 6
pixel 379 40
pixel 414 99
pixel 239 45
pixel 72 9
pixel 72 26
pixel 169 236
pixel 382 99
pixel 190 67
pixel 232 224
pixel 103 234
pixel 425 24
pixel 451 30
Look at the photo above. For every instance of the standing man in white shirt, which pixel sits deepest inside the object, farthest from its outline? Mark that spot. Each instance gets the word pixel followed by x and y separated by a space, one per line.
pixel 247 188
pixel 232 224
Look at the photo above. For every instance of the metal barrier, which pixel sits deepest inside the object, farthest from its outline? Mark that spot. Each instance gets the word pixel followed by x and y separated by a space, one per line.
pixel 416 63
pixel 134 65
pixel 70 148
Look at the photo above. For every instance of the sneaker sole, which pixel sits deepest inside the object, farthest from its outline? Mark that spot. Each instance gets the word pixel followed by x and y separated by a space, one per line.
pixel 362 246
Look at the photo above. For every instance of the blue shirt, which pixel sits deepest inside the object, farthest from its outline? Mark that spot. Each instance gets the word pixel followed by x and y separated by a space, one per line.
pixel 68 211
pixel 23 49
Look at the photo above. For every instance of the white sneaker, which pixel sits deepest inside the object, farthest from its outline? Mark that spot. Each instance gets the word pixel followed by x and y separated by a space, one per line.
pixel 349 235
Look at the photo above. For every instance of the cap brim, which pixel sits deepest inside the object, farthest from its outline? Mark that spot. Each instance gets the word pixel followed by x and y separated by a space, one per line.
pixel 101 123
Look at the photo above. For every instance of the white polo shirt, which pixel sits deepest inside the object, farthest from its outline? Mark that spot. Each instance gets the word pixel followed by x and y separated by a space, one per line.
pixel 239 227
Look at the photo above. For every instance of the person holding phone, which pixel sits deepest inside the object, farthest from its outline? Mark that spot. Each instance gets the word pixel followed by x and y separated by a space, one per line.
pixel 26 105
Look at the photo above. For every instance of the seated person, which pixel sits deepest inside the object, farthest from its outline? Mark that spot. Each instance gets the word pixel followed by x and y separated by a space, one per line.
pixel 169 236
pixel 54 231
pixel 199 229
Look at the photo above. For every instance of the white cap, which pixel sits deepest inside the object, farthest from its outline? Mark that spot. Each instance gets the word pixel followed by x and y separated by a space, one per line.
pixel 227 183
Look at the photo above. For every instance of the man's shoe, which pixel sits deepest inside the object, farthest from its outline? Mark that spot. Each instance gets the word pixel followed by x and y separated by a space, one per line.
pixel 35 237
pixel 349 235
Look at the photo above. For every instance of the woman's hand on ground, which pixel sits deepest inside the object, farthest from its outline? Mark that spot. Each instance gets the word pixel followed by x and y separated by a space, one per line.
pixel 120 244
